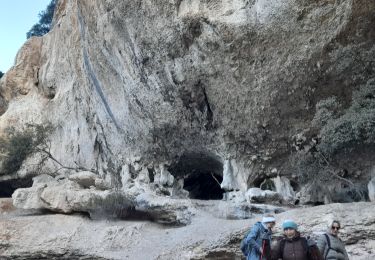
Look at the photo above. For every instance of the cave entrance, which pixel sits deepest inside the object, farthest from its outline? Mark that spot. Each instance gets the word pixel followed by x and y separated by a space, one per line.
pixel 8 187
pixel 202 174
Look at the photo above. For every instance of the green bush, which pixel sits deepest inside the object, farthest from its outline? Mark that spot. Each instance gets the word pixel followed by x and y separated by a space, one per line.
pixel 326 110
pixel 16 145
pixel 356 126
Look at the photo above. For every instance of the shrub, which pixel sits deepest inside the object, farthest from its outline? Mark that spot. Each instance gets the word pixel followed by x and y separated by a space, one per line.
pixel 17 145
pixel 326 110
pixel 339 131
pixel 356 126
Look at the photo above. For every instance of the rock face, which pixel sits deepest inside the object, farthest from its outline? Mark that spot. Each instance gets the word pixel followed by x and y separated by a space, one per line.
pixel 233 89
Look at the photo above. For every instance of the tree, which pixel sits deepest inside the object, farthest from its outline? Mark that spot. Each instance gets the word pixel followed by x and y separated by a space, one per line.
pixel 45 21
pixel 1 74
pixel 17 144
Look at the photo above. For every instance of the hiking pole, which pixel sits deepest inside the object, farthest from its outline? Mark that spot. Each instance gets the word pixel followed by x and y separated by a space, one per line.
pixel 263 247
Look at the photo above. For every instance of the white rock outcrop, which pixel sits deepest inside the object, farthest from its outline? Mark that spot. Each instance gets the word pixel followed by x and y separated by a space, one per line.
pixel 257 195
pixel 284 188
pixel 66 196
pixel 371 189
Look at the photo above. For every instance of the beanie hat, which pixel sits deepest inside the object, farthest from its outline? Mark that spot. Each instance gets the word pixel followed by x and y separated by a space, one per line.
pixel 289 224
pixel 268 219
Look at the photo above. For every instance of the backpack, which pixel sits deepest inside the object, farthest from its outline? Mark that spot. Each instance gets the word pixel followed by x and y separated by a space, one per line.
pixel 245 248
pixel 329 245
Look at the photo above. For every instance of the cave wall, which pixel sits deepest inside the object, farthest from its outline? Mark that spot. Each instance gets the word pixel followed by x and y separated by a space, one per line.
pixel 148 81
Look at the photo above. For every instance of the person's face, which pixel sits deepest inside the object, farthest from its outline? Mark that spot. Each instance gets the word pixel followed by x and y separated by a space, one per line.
pixel 335 229
pixel 270 225
pixel 289 232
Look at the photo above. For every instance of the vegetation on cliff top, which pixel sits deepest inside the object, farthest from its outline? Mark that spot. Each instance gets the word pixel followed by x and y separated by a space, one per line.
pixel 45 21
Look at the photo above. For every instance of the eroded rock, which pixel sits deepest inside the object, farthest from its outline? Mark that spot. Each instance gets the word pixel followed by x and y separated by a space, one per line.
pixel 284 188
pixel 86 179
pixel 371 189
pixel 164 210
pixel 257 195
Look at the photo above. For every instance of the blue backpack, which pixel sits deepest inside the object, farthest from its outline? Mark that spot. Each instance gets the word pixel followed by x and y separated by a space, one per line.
pixel 245 248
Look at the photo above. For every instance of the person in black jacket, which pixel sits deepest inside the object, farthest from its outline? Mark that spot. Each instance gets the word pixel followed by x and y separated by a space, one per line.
pixel 295 247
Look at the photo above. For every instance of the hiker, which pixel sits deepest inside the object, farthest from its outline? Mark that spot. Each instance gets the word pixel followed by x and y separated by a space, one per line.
pixel 295 247
pixel 257 243
pixel 330 245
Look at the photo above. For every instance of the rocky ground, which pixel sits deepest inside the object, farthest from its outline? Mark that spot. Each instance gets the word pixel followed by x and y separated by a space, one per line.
pixel 31 235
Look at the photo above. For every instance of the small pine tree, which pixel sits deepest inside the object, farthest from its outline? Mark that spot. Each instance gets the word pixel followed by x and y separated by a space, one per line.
pixel 45 21
pixel 1 74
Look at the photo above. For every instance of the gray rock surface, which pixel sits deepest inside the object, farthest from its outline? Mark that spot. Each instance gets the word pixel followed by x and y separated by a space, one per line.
pixel 85 179
pixel 256 195
pixel 147 84
pixel 66 196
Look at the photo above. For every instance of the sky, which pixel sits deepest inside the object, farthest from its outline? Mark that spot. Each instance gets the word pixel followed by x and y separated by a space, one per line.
pixel 16 19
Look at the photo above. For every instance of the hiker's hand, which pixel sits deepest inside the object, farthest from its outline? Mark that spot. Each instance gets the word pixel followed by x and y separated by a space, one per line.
pixel 261 251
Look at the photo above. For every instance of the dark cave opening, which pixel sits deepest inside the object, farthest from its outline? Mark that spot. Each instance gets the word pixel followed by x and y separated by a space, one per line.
pixel 204 186
pixel 8 187
pixel 202 173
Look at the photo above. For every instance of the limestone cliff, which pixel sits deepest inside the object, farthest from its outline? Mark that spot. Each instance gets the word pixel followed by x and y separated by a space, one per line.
pixel 235 88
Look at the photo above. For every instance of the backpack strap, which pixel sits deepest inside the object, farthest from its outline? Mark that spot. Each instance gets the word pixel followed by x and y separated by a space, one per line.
pixel 329 245
pixel 281 248
pixel 305 245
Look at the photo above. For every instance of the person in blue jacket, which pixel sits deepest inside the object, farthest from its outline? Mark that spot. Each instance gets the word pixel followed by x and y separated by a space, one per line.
pixel 258 241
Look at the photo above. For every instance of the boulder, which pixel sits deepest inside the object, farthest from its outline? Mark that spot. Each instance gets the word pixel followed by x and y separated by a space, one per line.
pixel 85 178
pixel 102 184
pixel 66 196
pixel 164 210
pixel 29 198
pixel 257 195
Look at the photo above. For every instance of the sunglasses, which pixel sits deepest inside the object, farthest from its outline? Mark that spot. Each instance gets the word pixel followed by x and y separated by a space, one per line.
pixel 337 228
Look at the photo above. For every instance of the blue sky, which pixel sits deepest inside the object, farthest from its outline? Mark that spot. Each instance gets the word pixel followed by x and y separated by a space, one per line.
pixel 16 19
